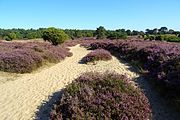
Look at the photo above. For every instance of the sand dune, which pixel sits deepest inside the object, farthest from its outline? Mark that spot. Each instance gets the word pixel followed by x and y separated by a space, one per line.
pixel 21 96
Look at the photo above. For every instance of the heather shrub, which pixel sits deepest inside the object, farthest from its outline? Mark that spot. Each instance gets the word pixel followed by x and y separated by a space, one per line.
pixel 159 58
pixel 19 61
pixel 25 57
pixel 169 72
pixel 95 96
pixel 96 55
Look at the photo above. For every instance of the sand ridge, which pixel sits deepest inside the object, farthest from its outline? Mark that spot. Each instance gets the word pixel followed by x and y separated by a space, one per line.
pixel 21 97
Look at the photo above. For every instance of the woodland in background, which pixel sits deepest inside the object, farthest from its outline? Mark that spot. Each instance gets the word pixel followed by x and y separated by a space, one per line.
pixel 162 34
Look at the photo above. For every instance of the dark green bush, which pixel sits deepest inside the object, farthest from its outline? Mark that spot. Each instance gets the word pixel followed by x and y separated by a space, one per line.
pixel 7 38
pixel 55 36
pixel 101 33
pixel 117 35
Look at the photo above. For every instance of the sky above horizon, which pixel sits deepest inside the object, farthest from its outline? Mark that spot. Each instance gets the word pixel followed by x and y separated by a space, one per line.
pixel 90 14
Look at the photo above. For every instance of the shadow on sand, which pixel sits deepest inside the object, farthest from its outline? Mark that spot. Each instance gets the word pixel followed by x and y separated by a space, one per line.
pixel 44 110
pixel 161 108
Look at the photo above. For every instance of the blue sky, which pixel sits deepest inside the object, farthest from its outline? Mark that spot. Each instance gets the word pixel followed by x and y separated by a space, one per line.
pixel 89 14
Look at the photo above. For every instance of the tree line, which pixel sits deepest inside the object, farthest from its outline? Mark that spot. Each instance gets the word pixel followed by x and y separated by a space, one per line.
pixel 162 34
pixel 100 33
pixel 10 34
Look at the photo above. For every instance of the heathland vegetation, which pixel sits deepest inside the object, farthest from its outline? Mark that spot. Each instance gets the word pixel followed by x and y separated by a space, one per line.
pixel 160 59
pixel 96 95
pixel 96 55
pixel 23 57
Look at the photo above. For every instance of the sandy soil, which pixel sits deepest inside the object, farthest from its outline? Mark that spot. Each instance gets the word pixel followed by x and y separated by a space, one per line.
pixel 21 96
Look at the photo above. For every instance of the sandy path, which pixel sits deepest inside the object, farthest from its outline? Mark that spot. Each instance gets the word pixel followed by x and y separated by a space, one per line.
pixel 20 98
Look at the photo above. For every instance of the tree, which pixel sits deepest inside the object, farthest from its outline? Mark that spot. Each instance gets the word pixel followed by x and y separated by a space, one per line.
pixel 78 34
pixel 89 34
pixel 122 30
pixel 155 31
pixel 31 35
pixel 19 35
pixel 55 36
pixel 128 32
pixel 135 32
pixel 71 33
pixel 7 38
pixel 101 32
pixel 116 35
pixel 12 35
pixel 171 31
pixel 163 30
pixel 148 31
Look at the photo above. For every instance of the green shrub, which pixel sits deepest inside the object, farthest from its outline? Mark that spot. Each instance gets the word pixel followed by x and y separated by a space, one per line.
pixel 169 38
pixel 172 39
pixel 55 36
pixel 151 37
pixel 7 38
pixel 117 35
pixel 159 37
pixel 101 33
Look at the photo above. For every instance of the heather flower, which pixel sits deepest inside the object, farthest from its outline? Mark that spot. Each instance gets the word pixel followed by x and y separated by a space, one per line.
pixel 25 57
pixel 154 56
pixel 115 99
pixel 96 55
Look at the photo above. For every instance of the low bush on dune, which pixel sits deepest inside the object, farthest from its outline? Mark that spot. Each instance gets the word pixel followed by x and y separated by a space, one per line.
pixel 161 59
pixel 19 61
pixel 96 55
pixel 95 96
pixel 25 57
